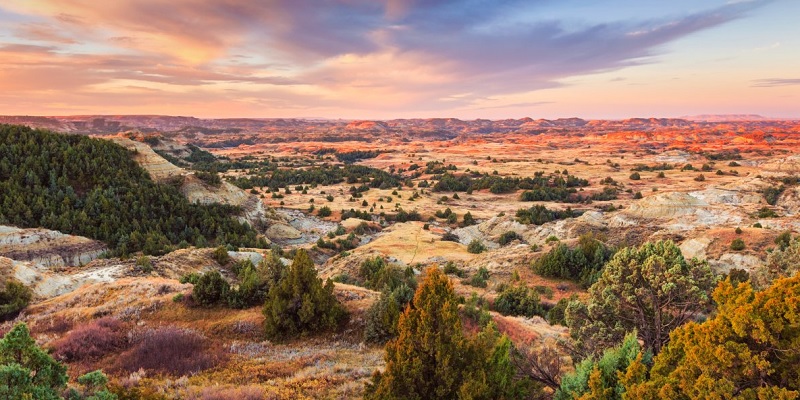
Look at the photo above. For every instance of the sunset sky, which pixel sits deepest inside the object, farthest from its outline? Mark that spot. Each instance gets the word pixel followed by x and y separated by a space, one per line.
pixel 376 59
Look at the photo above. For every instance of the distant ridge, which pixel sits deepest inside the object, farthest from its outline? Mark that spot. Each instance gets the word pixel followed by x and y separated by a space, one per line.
pixel 728 117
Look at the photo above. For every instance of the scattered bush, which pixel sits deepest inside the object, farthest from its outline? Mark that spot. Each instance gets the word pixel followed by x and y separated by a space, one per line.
pixel 582 264
pixel 518 300
pixel 737 244
pixel 539 215
pixel 508 237
pixel 480 278
pixel 14 297
pixel 476 247
pixel 382 316
pixel 144 264
pixel 450 237
pixel 635 176
pixel 766 212
pixel 211 289
pixel 221 255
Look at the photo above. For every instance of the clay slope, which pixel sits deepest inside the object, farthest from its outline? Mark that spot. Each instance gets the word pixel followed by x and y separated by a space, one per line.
pixel 48 248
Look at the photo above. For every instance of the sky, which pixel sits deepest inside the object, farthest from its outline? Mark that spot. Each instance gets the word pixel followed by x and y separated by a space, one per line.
pixel 384 59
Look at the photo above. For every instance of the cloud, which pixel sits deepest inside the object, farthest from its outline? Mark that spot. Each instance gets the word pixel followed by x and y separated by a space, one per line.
pixel 354 54
pixel 774 82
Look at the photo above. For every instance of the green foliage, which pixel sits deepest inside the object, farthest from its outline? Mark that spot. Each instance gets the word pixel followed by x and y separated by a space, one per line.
pixel 14 297
pixel 476 310
pixel 651 289
pixel 539 215
pixel 772 193
pixel 582 264
pixel 221 256
pixel 26 371
pixel 782 262
pixel 468 219
pixel 93 386
pixel 91 187
pixel 480 278
pixel 747 350
pixel 383 315
pixel 556 315
pixel 784 240
pixel 766 212
pixel 321 175
pixel 610 366
pixel 299 304
pixel 476 247
pixel 508 237
pixel 144 264
pixel 737 244
pixel 635 176
pixel 211 289
pixel 450 268
pixel 431 357
pixel 324 211
pixel 376 274
pixel 518 300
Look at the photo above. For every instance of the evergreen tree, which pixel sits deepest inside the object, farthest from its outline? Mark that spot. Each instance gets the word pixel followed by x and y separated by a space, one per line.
pixel 431 357
pixel 651 289
pixel 748 350
pixel 300 304
pixel 26 371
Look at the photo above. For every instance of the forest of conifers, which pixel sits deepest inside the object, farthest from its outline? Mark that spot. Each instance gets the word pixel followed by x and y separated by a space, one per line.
pixel 92 187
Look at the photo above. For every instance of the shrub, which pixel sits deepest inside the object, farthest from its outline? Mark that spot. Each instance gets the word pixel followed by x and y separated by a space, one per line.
pixel 635 176
pixel 299 304
pixel 700 178
pixel 480 278
pixel 508 237
pixel 581 264
pixel 92 341
pixel 637 195
pixel 221 256
pixel 476 247
pixel 451 269
pixel 450 237
pixel 738 231
pixel 211 289
pixel 737 244
pixel 766 212
pixel 518 300
pixel 144 264
pixel 14 297
pixel 468 219
pixel 376 275
pixel 475 310
pixel 382 316
pixel 171 350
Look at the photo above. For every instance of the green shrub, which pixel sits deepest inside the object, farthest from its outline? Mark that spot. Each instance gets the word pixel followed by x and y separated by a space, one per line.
pixel 14 297
pixel 476 247
pixel 737 244
pixel 635 176
pixel 518 300
pixel 475 309
pixel 451 269
pixel 211 289
pixel 581 264
pixel 144 264
pixel 299 304
pixel 766 212
pixel 508 237
pixel 480 278
pixel 221 256
pixel 382 316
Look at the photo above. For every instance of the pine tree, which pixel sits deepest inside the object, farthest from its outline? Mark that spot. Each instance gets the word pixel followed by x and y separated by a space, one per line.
pixel 300 304
pixel 26 371
pixel 431 357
